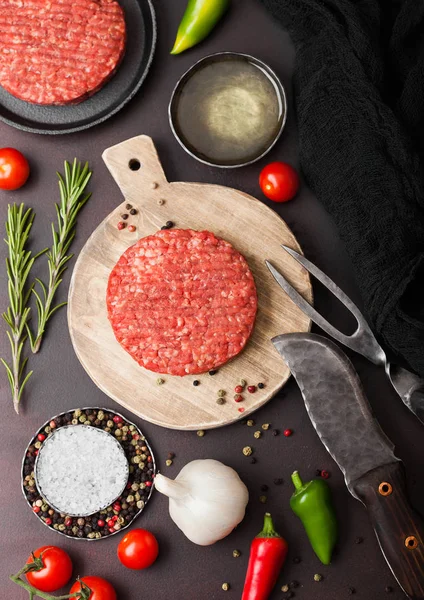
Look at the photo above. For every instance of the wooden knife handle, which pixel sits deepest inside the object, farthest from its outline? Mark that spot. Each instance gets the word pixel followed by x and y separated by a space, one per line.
pixel 399 529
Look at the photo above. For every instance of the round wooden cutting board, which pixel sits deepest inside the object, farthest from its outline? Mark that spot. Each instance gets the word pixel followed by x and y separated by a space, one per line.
pixel 253 229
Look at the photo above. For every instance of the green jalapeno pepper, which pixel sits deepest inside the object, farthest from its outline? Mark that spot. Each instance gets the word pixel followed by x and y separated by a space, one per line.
pixel 199 19
pixel 312 503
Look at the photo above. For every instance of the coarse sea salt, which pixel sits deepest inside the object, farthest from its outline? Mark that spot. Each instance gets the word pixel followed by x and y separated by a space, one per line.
pixel 80 470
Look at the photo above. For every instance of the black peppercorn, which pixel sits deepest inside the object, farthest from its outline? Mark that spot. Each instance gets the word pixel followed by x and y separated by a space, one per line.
pixel 297 560
pixel 133 211
pixel 275 432
pixel 278 481
pixel 212 372
pixel 264 488
pixel 294 584
pixel 388 589
pixel 351 591
pixel 196 382
pixel 359 540
pixel 252 460
pixel 261 386
pixel 128 206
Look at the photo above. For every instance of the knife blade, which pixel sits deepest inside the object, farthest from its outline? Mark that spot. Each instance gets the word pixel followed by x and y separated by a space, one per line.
pixel 343 419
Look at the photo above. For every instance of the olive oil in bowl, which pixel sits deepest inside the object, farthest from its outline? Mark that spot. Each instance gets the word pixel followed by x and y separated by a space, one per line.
pixel 228 110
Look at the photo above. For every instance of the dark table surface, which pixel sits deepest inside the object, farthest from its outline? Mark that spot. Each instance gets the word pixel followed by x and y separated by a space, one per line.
pixel 184 570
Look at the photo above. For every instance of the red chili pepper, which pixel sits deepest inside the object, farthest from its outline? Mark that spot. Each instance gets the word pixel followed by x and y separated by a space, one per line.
pixel 267 555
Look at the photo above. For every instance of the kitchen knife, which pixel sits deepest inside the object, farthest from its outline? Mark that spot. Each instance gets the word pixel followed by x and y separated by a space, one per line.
pixel 342 417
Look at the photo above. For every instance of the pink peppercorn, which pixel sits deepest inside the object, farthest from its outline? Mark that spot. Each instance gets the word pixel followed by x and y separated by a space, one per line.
pixel 117 419
pixel 121 225
pixel 238 398
pixel 148 484
pixel 325 474
pixel 100 523
pixel 52 424
pixel 41 437
pixel 36 509
pixel 116 507
pixel 48 521
pixel 110 523
pixel 288 432
pixel 111 530
pixel 241 409
pixel 251 389
pixel 238 389
pixel 131 228
pixel 149 459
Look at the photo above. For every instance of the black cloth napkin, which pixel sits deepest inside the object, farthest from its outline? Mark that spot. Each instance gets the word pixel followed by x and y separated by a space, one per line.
pixel 359 98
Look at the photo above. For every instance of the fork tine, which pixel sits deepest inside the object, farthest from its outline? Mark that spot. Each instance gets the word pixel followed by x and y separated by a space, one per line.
pixel 362 340
pixel 329 284
pixel 304 306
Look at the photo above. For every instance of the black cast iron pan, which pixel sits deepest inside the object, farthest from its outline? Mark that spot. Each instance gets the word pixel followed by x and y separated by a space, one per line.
pixel 141 42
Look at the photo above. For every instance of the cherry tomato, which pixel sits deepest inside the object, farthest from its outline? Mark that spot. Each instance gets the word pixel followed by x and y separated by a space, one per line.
pixel 56 572
pixel 14 169
pixel 138 549
pixel 100 588
pixel 279 181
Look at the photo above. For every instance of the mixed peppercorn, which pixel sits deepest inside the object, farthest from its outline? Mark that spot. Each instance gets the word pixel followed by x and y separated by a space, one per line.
pixel 131 502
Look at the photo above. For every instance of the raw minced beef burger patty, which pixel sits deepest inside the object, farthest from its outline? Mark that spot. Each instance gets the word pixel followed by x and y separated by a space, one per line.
pixel 182 301
pixel 59 51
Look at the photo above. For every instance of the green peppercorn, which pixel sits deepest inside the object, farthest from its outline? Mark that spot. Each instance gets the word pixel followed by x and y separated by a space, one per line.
pixel 82 419
pixel 243 382
pixel 140 504
pixel 135 487
pixel 37 445
pixel 121 520
pixel 109 423
pixel 236 553
pixel 221 393
pixel 200 433
pixel 62 527
pixel 247 451
pixel 47 429
pixel 257 434
pixel 168 462
pixel 225 587
pixel 39 503
pixel 44 507
pixel 262 499
pixel 318 577
pixel 265 426
pixel 130 498
pixel 221 401
pixel 285 588
pixel 250 423
pixel 137 496
pixel 77 413
pixel 160 381
pixel 118 433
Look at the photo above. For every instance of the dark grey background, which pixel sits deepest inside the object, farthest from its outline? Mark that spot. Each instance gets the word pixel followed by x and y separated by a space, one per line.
pixel 59 382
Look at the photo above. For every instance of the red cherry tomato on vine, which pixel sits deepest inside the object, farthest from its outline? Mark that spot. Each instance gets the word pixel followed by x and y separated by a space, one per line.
pixel 14 169
pixel 138 549
pixel 279 181
pixel 56 572
pixel 100 588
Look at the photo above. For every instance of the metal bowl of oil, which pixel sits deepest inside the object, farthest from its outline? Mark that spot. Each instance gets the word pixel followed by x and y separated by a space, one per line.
pixel 228 110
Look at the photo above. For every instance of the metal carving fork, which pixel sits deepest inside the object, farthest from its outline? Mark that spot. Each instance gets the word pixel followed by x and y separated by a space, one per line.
pixel 409 386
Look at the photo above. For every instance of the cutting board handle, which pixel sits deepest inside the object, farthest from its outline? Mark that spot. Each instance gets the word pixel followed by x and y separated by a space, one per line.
pixel 135 165
pixel 399 529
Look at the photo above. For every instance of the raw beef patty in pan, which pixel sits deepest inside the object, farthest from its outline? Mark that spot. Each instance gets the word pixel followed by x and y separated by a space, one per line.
pixel 182 301
pixel 59 51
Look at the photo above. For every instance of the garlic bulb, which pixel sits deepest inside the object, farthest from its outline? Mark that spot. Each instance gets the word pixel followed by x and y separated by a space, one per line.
pixel 206 500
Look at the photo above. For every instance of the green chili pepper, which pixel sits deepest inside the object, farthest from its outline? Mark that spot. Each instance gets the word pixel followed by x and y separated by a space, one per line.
pixel 312 503
pixel 199 19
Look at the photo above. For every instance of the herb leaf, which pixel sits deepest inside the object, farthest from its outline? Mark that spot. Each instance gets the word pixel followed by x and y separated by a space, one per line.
pixel 72 198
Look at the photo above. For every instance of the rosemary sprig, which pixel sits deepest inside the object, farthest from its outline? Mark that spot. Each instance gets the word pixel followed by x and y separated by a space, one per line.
pixel 18 265
pixel 72 198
